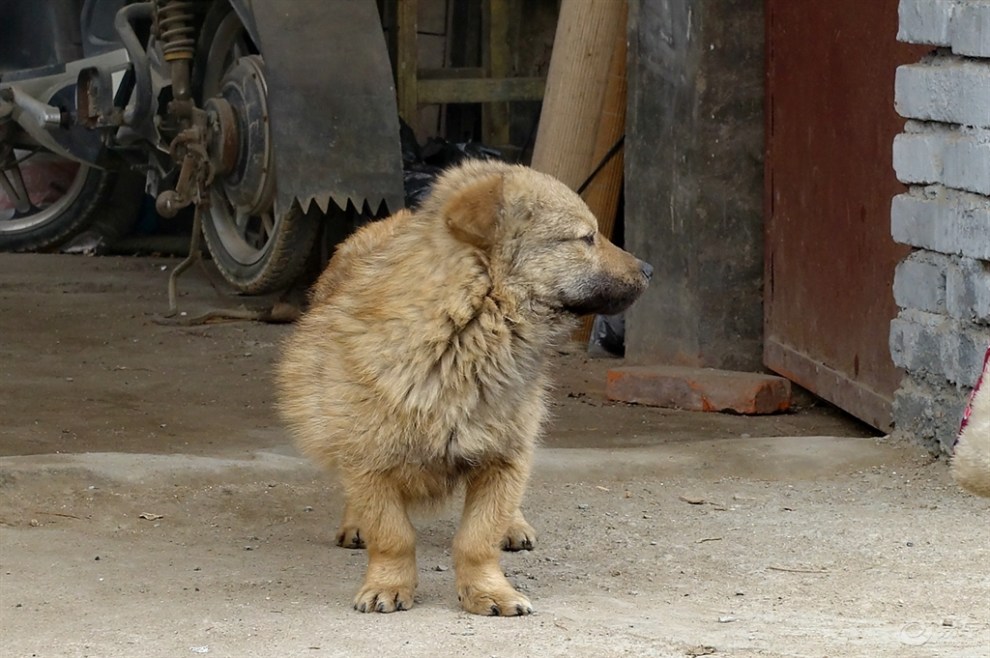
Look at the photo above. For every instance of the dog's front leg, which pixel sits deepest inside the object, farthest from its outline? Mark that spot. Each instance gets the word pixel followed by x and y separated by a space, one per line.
pixel 490 505
pixel 379 508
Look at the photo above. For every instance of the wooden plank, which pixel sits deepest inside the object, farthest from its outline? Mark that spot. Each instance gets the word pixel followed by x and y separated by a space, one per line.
pixel 480 90
pixel 452 73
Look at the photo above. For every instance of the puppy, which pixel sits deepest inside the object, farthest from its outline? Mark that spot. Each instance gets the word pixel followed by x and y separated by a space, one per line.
pixel 421 366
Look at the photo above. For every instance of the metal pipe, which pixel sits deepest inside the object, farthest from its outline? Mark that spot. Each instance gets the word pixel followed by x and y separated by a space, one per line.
pixel 140 112
pixel 40 115
pixel 180 80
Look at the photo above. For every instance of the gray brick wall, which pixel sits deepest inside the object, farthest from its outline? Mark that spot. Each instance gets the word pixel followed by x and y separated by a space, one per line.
pixel 954 155
pixel 944 88
pixel 961 25
pixel 943 287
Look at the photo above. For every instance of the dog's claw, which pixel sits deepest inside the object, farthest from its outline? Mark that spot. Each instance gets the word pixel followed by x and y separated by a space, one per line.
pixel 355 541
pixel 384 600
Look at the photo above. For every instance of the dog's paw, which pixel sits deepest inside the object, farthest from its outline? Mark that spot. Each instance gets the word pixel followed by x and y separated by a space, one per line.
pixel 350 537
pixel 505 602
pixel 519 537
pixel 372 598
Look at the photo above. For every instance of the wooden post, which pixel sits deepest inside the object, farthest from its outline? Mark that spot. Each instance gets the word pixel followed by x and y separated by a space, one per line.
pixel 577 83
pixel 407 61
pixel 495 115
pixel 602 193
pixel 584 108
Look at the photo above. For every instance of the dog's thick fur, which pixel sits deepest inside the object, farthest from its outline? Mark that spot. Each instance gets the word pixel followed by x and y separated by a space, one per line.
pixel 971 461
pixel 421 365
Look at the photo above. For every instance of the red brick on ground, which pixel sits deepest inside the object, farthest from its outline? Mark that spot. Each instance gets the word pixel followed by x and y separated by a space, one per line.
pixel 699 389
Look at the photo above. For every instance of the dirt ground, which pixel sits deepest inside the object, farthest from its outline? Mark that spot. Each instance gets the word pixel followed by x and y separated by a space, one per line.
pixel 151 505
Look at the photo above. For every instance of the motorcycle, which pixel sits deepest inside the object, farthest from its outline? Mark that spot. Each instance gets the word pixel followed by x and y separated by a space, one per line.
pixel 265 115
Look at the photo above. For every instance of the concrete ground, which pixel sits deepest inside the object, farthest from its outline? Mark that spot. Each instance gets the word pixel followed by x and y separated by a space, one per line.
pixel 151 505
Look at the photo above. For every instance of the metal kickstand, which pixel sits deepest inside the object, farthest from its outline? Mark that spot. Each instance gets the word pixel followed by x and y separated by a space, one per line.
pixel 194 256
pixel 278 313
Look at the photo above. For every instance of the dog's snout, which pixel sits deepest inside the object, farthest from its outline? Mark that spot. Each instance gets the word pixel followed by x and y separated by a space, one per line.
pixel 646 269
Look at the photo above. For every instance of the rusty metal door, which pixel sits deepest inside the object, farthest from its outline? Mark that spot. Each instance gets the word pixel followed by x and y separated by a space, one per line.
pixel 829 182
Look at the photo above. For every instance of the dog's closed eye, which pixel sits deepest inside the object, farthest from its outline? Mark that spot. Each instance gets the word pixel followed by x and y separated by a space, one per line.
pixel 588 239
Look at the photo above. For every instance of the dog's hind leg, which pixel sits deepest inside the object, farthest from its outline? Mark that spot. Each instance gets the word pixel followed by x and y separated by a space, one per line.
pixel 349 533
pixel 379 509
pixel 520 536
pixel 490 506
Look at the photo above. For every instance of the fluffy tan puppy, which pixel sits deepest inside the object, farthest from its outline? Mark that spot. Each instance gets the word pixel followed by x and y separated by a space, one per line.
pixel 422 366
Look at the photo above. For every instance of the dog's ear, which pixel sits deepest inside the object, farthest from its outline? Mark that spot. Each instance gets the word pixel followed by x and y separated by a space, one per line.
pixel 472 214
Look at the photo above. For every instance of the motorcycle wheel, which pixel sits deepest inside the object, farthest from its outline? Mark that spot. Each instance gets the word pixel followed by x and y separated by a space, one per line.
pixel 257 247
pixel 58 200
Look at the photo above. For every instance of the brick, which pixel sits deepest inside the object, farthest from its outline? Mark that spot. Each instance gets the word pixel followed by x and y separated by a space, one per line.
pixel 966 162
pixel 699 389
pixel 943 220
pixel 925 21
pixel 967 289
pixel 916 342
pixel 919 282
pixel 948 89
pixel 917 158
pixel 931 344
pixel 928 413
pixel 969 28
pixel 955 157
pixel 962 25
pixel 962 349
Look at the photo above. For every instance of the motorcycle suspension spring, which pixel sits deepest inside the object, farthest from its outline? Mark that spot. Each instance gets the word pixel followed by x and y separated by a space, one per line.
pixel 176 28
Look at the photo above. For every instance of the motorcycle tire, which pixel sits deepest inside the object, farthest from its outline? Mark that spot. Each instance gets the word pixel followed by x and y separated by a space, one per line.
pixel 277 266
pixel 61 209
pixel 257 252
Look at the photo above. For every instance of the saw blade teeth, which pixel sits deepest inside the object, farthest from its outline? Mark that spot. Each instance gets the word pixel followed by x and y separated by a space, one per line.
pixel 322 202
pixel 340 200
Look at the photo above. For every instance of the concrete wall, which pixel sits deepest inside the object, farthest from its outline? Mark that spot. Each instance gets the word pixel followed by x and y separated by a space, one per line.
pixel 943 287
pixel 694 180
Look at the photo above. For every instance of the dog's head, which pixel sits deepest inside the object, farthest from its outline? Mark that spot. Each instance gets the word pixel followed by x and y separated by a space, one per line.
pixel 540 238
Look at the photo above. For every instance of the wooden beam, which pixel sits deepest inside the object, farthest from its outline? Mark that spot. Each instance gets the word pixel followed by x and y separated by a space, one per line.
pixel 406 69
pixel 603 191
pixel 452 73
pixel 495 115
pixel 577 83
pixel 480 90
pixel 583 112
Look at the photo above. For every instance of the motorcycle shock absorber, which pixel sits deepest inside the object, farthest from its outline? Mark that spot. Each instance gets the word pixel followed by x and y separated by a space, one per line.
pixel 176 30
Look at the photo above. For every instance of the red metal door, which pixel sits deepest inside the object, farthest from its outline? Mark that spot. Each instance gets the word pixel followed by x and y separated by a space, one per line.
pixel 829 255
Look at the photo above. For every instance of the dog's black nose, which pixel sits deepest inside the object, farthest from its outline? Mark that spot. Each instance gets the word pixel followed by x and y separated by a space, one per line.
pixel 646 269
